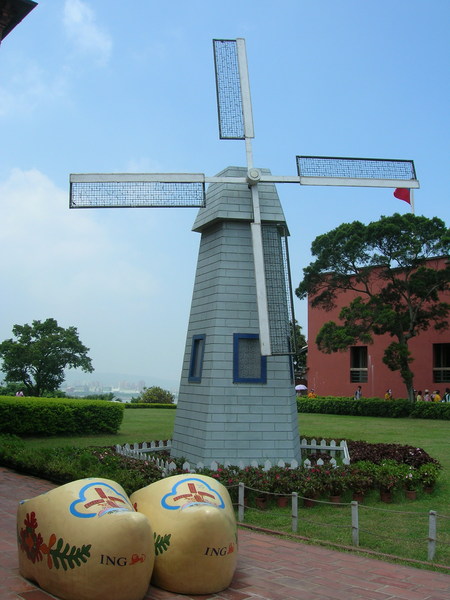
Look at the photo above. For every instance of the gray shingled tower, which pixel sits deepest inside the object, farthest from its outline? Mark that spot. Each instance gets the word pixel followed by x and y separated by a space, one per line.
pixel 234 405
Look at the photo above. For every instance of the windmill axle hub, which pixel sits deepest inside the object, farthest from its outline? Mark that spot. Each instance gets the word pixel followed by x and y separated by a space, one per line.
pixel 253 176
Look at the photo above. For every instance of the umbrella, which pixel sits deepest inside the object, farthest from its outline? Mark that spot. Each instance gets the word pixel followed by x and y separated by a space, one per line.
pixel 301 387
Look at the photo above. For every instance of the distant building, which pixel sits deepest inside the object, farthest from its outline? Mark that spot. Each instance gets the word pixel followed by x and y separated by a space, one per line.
pixel 340 373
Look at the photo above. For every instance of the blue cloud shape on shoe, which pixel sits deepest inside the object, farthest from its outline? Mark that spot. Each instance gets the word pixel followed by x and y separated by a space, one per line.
pixel 185 493
pixel 101 502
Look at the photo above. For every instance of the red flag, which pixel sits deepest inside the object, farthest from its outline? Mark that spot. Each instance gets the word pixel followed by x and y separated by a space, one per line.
pixel 403 194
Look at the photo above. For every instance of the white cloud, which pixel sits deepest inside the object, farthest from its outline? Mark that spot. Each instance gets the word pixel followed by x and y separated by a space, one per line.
pixel 60 259
pixel 98 271
pixel 89 39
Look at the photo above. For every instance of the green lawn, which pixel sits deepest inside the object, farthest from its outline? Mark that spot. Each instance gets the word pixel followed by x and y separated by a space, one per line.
pixel 144 425
pixel 400 528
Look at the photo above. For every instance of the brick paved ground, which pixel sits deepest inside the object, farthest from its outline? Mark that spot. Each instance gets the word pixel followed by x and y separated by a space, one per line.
pixel 268 568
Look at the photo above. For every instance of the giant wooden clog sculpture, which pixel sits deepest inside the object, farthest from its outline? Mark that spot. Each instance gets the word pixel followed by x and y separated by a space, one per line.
pixel 85 541
pixel 195 533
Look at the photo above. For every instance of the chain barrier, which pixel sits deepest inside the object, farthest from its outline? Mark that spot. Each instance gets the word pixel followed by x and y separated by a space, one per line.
pixel 431 540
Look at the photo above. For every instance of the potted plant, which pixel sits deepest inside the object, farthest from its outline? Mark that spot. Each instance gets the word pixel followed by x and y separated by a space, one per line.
pixel 336 482
pixel 311 485
pixel 257 481
pixel 411 481
pixel 281 481
pixel 428 474
pixel 360 477
pixel 387 477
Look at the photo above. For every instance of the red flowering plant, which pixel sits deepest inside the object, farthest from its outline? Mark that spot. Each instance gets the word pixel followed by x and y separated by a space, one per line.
pixel 255 480
pixel 229 476
pixel 311 482
pixel 361 477
pixel 335 480
pixel 282 480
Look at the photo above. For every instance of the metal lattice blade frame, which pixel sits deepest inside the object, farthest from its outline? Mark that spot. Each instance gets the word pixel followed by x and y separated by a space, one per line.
pixel 359 172
pixel 233 90
pixel 279 288
pixel 137 190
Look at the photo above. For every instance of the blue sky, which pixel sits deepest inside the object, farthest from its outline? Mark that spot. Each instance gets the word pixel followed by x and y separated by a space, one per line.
pixel 113 86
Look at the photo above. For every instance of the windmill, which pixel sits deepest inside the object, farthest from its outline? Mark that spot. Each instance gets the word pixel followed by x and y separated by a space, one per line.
pixel 237 397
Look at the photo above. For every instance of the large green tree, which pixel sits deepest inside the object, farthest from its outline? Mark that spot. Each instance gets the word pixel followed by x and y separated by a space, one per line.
pixel 386 263
pixel 39 353
pixel 155 395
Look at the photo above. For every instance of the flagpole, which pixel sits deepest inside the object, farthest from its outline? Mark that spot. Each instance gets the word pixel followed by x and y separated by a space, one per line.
pixel 411 199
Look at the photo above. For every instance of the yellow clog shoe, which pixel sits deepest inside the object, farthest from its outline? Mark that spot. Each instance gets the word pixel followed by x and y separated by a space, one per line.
pixel 195 533
pixel 85 541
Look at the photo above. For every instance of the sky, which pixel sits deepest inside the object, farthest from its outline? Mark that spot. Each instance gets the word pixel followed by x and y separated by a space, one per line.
pixel 110 86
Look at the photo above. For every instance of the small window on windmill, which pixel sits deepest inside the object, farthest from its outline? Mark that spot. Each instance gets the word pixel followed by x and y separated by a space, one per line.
pixel 248 364
pixel 197 354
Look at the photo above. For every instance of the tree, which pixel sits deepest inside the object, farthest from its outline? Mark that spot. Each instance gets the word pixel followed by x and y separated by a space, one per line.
pixel 155 395
pixel 388 264
pixel 38 355
pixel 300 345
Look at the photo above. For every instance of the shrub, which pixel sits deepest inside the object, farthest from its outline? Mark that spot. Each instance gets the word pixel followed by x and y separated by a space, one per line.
pixel 388 475
pixel 431 410
pixel 429 473
pixel 44 416
pixel 374 407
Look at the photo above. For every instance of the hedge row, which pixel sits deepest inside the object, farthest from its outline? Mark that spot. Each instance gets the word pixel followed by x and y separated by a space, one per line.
pixel 374 407
pixel 58 416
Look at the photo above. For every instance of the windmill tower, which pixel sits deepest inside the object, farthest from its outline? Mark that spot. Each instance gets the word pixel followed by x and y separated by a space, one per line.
pixel 237 399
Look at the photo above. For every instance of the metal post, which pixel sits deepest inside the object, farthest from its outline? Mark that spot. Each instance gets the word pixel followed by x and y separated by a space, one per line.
pixel 431 534
pixel 241 507
pixel 355 523
pixel 294 512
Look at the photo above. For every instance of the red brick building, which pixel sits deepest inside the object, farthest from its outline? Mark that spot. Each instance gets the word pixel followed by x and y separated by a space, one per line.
pixel 340 373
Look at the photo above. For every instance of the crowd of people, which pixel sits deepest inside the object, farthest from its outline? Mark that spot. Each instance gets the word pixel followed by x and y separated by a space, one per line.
pixel 426 396
pixel 435 396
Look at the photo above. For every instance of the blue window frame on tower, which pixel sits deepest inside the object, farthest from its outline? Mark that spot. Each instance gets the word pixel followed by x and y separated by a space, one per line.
pixel 248 364
pixel 197 354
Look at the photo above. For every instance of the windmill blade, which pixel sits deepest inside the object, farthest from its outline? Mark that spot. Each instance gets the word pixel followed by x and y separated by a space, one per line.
pixel 260 275
pixel 261 290
pixel 236 123
pixel 359 172
pixel 131 190
pixel 233 90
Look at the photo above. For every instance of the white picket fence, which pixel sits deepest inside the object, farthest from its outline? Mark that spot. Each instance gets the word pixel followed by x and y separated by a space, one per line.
pixel 149 451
